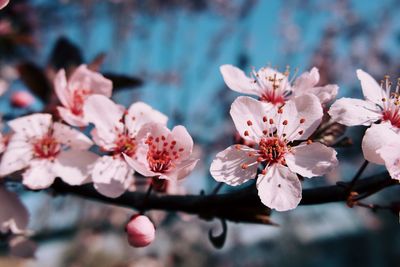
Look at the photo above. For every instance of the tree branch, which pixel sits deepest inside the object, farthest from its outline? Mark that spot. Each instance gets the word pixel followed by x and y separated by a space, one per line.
pixel 241 205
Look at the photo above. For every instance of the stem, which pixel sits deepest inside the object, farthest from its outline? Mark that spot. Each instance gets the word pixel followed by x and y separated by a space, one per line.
pixel 146 199
pixel 357 176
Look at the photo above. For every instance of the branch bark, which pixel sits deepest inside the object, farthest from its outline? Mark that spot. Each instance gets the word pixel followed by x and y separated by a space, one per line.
pixel 241 205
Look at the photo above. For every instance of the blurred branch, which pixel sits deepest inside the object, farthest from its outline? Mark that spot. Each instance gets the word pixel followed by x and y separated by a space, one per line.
pixel 242 205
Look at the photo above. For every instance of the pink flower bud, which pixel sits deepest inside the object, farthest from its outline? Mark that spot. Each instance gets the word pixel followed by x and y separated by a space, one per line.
pixel 140 231
pixel 22 99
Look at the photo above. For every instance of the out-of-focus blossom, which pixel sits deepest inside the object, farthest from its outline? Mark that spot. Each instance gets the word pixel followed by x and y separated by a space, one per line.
pixel 380 104
pixel 22 99
pixel 163 153
pixel 74 92
pixel 274 87
pixel 3 87
pixel 14 216
pixel 140 230
pixel 46 150
pixel 274 131
pixel 115 132
pixel 381 145
pixel 3 3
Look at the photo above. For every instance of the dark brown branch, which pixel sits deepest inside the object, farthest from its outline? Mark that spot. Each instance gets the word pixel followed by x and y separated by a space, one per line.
pixel 238 206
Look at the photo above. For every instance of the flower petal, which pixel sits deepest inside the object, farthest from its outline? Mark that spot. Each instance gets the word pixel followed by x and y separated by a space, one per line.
pixel 14 216
pixel 17 155
pixel 306 81
pixel 247 115
pixel 227 165
pixel 71 137
pixel 107 168
pixel 61 88
pixel 105 115
pixel 390 153
pixel 70 118
pixel 375 138
pixel 237 80
pixel 183 140
pixel 279 188
pixel 30 126
pixel 351 112
pixel 73 166
pixel 139 114
pixel 83 78
pixel 371 89
pixel 141 166
pixel 310 160
pixel 115 188
pixel 182 170
pixel 40 174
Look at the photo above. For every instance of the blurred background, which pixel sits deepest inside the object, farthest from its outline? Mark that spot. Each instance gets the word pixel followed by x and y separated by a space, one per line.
pixel 169 52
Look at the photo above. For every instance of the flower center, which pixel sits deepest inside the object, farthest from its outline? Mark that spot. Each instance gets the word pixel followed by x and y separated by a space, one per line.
pixel 162 154
pixel 78 99
pixel 125 144
pixel 274 85
pixel 271 150
pixel 46 148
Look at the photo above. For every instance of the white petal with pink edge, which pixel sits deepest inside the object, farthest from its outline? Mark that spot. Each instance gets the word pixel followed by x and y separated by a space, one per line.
pixel 311 160
pixel 351 112
pixel 32 126
pixel 237 80
pixel 279 188
pixel 83 78
pixel 248 117
pixel 371 89
pixel 375 138
pixel 39 175
pixel 234 166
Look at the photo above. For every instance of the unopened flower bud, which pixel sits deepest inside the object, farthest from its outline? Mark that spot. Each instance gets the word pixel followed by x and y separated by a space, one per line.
pixel 22 99
pixel 140 230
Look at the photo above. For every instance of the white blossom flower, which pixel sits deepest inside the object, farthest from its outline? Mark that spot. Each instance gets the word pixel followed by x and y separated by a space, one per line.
pixel 274 87
pixel 274 132
pixel 380 104
pixel 46 150
pixel 381 145
pixel 163 153
pixel 74 92
pixel 115 132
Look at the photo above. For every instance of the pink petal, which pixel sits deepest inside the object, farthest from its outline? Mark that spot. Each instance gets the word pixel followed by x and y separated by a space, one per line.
pixel 182 170
pixel 141 165
pixel 115 188
pixel 306 81
pixel 40 174
pixel 279 189
pixel 310 160
pixel 105 115
pixel 107 168
pixel 30 126
pixel 375 138
pixel 351 112
pixel 73 166
pixel 305 107
pixel 61 88
pixel 325 93
pixel 246 110
pixel 70 118
pixel 3 3
pixel 83 78
pixel 12 210
pixel 183 140
pixel 371 89
pixel 390 153
pixel 71 137
pixel 141 231
pixel 139 114
pixel 17 156
pixel 237 80
pixel 227 166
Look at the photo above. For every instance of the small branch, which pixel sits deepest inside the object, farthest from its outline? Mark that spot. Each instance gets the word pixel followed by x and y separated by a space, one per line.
pixel 238 206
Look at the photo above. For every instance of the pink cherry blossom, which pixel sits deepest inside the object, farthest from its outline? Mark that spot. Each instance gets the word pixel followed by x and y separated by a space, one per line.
pixel 274 132
pixel 140 230
pixel 14 216
pixel 164 153
pixel 46 150
pixel 115 132
pixel 381 145
pixel 74 92
pixel 274 87
pixel 380 104
pixel 3 3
